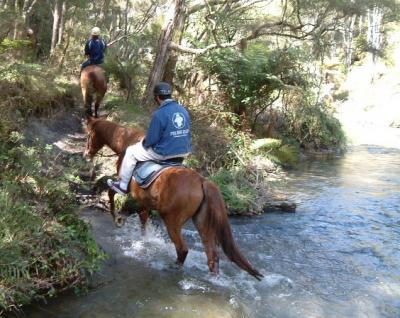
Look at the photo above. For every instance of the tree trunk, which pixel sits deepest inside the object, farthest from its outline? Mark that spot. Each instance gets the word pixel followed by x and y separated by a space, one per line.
pixel 16 24
pixel 348 40
pixel 163 51
pixel 103 12
pixel 62 22
pixel 27 11
pixel 126 26
pixel 56 20
pixel 64 53
pixel 169 72
pixel 374 30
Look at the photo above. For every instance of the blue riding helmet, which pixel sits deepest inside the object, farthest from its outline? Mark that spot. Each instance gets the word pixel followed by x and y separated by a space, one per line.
pixel 162 89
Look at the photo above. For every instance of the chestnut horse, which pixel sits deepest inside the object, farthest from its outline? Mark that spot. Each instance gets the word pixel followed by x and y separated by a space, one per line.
pixel 178 194
pixel 93 82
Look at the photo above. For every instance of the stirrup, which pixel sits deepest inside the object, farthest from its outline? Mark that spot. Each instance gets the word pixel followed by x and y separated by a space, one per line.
pixel 115 185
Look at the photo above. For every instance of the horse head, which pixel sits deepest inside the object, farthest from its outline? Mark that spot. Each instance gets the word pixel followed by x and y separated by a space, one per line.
pixel 94 140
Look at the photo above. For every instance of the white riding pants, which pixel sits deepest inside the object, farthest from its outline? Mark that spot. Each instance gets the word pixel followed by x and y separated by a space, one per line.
pixel 133 154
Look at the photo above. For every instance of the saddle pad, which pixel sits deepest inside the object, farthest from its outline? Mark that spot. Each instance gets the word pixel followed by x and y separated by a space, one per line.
pixel 148 171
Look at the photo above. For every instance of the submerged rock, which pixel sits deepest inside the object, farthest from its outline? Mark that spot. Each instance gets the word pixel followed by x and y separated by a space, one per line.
pixel 279 205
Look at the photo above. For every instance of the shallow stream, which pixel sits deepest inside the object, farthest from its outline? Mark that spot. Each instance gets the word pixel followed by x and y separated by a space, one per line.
pixel 337 256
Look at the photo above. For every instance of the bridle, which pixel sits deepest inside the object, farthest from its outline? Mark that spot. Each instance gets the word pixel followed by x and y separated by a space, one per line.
pixel 89 141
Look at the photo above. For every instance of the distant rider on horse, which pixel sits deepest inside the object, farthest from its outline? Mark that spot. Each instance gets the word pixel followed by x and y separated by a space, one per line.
pixel 169 136
pixel 95 48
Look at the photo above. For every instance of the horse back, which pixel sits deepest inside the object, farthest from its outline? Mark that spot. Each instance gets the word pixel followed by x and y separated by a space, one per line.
pixel 176 189
pixel 93 78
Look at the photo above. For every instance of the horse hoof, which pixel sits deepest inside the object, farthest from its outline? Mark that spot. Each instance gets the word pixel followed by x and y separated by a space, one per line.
pixel 176 266
pixel 119 221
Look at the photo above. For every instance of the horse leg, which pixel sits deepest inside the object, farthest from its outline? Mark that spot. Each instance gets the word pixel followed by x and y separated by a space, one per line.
pixel 174 231
pixel 99 98
pixel 208 239
pixel 119 220
pixel 144 216
pixel 211 252
pixel 88 105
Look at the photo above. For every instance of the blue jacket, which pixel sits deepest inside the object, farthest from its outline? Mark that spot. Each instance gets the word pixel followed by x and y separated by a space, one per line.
pixel 169 133
pixel 95 48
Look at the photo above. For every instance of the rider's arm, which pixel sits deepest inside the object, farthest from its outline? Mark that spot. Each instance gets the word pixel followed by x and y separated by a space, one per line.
pixel 153 133
pixel 87 49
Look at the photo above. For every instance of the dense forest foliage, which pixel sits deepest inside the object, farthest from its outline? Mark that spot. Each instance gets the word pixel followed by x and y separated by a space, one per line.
pixel 262 63
pixel 258 76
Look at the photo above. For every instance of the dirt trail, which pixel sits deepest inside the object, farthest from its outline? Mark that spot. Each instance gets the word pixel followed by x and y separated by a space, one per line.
pixel 65 132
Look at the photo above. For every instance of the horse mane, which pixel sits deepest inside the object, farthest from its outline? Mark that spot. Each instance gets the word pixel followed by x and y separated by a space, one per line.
pixel 114 135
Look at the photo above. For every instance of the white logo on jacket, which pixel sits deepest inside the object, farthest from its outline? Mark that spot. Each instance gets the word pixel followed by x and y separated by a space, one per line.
pixel 178 120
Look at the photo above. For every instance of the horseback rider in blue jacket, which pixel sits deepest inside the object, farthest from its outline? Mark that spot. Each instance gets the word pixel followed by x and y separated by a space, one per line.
pixel 94 49
pixel 169 136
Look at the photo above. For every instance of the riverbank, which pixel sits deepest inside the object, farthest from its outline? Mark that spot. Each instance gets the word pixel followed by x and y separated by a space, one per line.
pixel 45 247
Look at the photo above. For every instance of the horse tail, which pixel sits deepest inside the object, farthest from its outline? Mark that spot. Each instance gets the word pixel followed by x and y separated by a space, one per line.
pixel 217 224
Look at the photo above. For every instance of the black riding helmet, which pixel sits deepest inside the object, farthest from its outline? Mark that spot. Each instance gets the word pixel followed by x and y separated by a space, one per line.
pixel 162 89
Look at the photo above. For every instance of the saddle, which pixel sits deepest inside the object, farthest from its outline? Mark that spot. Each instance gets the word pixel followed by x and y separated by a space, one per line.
pixel 147 171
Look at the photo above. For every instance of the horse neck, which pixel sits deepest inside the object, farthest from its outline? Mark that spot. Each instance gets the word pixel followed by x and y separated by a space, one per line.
pixel 104 134
pixel 118 137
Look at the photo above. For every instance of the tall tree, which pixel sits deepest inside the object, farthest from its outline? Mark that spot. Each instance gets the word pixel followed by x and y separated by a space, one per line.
pixel 163 49
pixel 62 21
pixel 56 22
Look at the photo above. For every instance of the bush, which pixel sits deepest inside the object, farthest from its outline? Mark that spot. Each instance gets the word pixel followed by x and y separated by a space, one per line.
pixel 44 246
pixel 311 123
pixel 258 79
pixel 252 80
pixel 279 152
pixel 238 192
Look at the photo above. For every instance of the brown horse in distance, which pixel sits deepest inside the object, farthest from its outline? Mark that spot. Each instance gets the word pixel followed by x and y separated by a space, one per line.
pixel 93 82
pixel 178 194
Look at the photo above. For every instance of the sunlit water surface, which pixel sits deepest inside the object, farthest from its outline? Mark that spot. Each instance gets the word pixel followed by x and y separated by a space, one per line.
pixel 337 256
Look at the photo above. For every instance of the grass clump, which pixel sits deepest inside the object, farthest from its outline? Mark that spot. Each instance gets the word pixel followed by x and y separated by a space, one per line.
pixel 279 152
pixel 30 89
